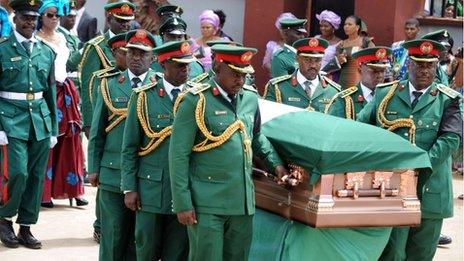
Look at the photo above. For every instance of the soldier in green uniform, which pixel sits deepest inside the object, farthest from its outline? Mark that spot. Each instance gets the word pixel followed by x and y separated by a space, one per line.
pixel 372 65
pixel 215 133
pixel 427 113
pixel 174 29
pixel 97 54
pixel 165 12
pixel 105 145
pixel 305 88
pixel 72 41
pixel 28 125
pixel 442 36
pixel 284 61
pixel 158 233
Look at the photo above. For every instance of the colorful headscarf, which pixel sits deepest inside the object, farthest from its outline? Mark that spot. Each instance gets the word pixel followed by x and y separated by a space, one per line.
pixel 5 26
pixel 282 17
pixel 210 17
pixel 330 17
pixel 62 6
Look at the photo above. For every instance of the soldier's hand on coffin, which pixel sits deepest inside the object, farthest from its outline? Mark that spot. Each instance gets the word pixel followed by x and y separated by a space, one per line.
pixel 93 179
pixel 132 200
pixel 187 218
pixel 282 174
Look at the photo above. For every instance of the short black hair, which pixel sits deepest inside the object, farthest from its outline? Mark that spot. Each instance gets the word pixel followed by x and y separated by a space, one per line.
pixel 222 16
pixel 412 21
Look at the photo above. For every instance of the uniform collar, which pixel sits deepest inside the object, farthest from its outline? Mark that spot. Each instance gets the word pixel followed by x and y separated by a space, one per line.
pixel 21 38
pixel 222 92
pixel 111 34
pixel 169 87
pixel 413 89
pixel 368 94
pixel 141 77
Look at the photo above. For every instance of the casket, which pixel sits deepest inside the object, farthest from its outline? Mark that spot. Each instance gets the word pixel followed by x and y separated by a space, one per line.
pixel 353 174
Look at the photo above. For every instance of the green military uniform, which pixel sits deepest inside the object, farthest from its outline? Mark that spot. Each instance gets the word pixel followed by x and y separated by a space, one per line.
pixel 158 234
pixel 210 159
pixel 72 42
pixel 104 150
pixel 284 61
pixel 349 102
pixel 28 117
pixel 438 126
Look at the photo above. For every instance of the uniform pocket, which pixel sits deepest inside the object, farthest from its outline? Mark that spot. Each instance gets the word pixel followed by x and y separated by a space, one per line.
pixel 7 113
pixel 431 202
pixel 427 131
pixel 46 116
pixel 150 186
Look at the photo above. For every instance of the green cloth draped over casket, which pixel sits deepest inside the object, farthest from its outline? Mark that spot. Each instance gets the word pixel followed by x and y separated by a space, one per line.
pixel 326 145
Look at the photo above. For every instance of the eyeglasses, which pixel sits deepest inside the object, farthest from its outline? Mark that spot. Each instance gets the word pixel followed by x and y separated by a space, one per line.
pixel 50 15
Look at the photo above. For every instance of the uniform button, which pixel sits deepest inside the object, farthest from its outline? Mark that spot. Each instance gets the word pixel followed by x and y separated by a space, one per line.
pixel 11 68
pixel 157 126
pixel 30 83
pixel 30 109
pixel 30 65
pixel 406 134
pixel 30 104
pixel 427 126
pixel 434 123
pixel 1 112
pixel 220 123
pixel 148 176
pixel 411 116
pixel 419 122
pixel 111 163
pixel 30 89
pixel 209 178
pixel 426 189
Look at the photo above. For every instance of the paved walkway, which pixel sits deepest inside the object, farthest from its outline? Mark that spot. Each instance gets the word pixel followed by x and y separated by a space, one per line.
pixel 66 233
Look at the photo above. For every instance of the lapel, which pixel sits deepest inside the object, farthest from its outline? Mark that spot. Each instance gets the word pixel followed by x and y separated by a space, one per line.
pixel 298 88
pixel 19 48
pixel 358 94
pixel 403 92
pixel 36 50
pixel 318 92
pixel 426 98
pixel 125 86
pixel 166 101
pixel 239 100
pixel 221 98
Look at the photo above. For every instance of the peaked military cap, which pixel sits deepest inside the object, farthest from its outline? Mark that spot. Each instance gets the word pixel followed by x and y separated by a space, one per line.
pixel 222 41
pixel 423 50
pixel 177 51
pixel 173 25
pixel 294 23
pixel 122 10
pixel 170 10
pixel 311 47
pixel 374 57
pixel 236 57
pixel 442 36
pixel 27 7
pixel 118 41
pixel 140 39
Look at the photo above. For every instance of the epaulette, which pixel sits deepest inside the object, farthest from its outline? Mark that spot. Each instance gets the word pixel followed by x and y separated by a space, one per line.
pixel 96 40
pixel 448 91
pixel 381 85
pixel 332 83
pixel 282 78
pixel 200 77
pixel 249 87
pixel 199 88
pixel 348 91
pixel 145 87
pixel 109 74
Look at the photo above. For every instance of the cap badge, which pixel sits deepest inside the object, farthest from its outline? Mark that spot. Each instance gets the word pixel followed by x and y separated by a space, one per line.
pixel 125 8
pixel 381 53
pixel 140 34
pixel 426 47
pixel 178 9
pixel 175 22
pixel 33 2
pixel 313 42
pixel 246 57
pixel 185 48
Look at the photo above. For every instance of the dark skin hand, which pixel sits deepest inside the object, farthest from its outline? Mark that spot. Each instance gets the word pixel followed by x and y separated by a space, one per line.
pixel 132 200
pixel 93 179
pixel 187 218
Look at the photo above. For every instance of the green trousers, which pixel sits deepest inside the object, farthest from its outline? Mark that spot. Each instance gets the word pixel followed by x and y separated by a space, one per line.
pixel 27 163
pixel 413 243
pixel 96 223
pixel 159 236
pixel 117 227
pixel 218 237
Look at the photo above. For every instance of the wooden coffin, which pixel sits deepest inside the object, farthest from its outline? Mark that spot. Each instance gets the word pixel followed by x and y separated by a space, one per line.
pixel 359 199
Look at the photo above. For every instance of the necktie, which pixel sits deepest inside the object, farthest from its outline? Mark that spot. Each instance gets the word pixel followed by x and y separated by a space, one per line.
pixel 135 82
pixel 308 88
pixel 416 98
pixel 233 100
pixel 27 45
pixel 175 93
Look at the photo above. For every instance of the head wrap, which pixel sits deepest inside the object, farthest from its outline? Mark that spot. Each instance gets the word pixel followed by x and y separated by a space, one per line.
pixel 60 5
pixel 5 26
pixel 282 17
pixel 208 16
pixel 330 17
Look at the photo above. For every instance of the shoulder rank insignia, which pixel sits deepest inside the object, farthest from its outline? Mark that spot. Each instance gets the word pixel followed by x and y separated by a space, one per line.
pixel 448 91
pixel 145 87
pixel 97 40
pixel 249 87
pixel 121 79
pixel 348 91
pixel 332 83
pixel 279 79
pixel 199 88
pixel 385 84
pixel 200 78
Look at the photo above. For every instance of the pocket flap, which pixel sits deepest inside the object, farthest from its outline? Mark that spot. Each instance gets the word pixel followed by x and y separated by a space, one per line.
pixel 150 174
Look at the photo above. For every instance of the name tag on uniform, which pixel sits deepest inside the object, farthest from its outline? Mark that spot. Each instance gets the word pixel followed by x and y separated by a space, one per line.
pixel 163 116
pixel 392 113
pixel 294 99
pixel 15 59
pixel 220 113
pixel 324 101
pixel 121 99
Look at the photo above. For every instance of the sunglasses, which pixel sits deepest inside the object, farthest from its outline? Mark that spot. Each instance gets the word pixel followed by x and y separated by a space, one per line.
pixel 50 15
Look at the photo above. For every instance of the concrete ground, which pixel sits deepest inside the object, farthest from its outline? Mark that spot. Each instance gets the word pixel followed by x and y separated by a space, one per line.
pixel 66 232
